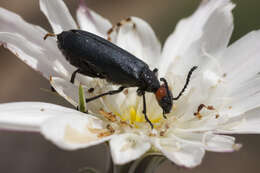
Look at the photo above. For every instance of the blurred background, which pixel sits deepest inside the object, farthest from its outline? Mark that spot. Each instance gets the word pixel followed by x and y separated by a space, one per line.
pixel 31 153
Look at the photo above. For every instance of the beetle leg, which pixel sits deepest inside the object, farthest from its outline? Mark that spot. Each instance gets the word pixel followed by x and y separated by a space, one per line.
pixel 164 116
pixel 72 79
pixel 187 82
pixel 144 111
pixel 107 93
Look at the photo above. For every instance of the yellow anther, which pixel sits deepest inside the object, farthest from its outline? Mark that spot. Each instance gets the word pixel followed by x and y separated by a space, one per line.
pixel 156 119
pixel 139 118
pixel 132 115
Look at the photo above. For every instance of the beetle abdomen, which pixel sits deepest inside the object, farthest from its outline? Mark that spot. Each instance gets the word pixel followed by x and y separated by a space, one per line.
pixel 85 50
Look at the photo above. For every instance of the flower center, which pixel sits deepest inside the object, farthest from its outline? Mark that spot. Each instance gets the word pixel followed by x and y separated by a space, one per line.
pixel 134 117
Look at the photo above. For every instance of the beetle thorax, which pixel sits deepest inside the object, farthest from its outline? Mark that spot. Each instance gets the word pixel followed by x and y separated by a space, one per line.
pixel 149 80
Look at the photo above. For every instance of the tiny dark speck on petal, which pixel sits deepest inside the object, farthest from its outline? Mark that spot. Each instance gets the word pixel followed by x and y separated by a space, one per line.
pixel 42 109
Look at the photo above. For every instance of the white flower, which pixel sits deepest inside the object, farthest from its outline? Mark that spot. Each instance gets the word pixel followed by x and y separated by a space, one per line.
pixel 227 83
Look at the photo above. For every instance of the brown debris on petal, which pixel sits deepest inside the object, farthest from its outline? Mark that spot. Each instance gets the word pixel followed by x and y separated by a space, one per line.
pixel 134 26
pixel 210 108
pixel 50 79
pixel 224 75
pixel 200 107
pixel 42 109
pixel 108 115
pixel 128 19
pixel 110 30
pixel 152 134
pixel 118 25
pixel 124 123
pixel 230 107
pixel 163 132
pixel 104 134
pixel 217 116
pixel 198 115
pixel 125 91
pixel 110 128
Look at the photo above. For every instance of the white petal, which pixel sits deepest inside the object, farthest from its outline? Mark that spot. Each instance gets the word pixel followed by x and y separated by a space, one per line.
pixel 137 37
pixel 91 21
pixel 242 97
pixel 241 69
pixel 198 32
pixel 208 140
pixel 29 116
pixel 220 143
pixel 182 154
pixel 26 41
pixel 58 15
pixel 247 123
pixel 240 61
pixel 128 147
pixel 74 131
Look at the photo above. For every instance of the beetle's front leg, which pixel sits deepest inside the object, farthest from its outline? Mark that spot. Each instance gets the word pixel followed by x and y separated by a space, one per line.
pixel 144 111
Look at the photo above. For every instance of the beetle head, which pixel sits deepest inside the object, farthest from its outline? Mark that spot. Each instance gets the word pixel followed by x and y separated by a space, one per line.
pixel 164 97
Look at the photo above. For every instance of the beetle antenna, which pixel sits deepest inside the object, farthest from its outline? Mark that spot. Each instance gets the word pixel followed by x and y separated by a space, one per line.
pixel 49 35
pixel 187 82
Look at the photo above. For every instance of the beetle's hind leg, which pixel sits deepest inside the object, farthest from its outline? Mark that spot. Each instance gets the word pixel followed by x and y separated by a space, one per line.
pixel 107 93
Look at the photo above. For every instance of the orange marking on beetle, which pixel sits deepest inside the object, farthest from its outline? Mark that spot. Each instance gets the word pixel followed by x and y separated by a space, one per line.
pixel 161 92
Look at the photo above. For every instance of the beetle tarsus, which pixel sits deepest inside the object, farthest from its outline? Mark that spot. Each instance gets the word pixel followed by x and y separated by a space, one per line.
pixel 164 116
pixel 107 93
pixel 144 111
pixel 72 79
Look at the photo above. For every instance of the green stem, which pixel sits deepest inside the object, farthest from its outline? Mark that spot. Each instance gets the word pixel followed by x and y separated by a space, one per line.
pixel 146 164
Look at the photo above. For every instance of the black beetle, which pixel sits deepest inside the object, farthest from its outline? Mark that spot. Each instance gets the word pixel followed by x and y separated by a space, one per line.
pixel 99 58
